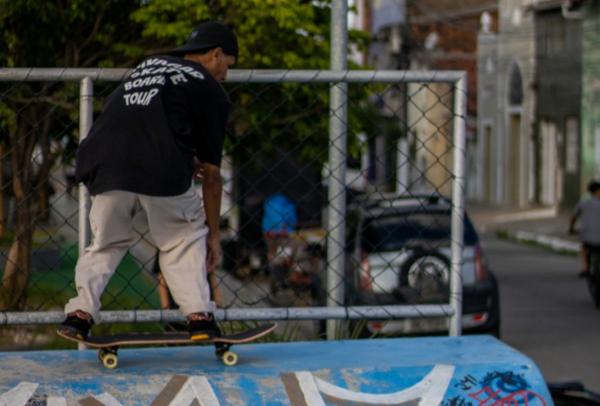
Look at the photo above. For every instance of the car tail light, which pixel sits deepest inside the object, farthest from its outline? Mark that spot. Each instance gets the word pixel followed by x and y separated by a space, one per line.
pixel 480 316
pixel 474 320
pixel 480 268
pixel 375 326
pixel 366 281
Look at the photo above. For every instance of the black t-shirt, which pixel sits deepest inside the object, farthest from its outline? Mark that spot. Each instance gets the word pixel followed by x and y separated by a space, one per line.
pixel 166 112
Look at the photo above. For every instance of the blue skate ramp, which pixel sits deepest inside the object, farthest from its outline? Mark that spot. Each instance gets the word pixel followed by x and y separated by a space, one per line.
pixel 473 370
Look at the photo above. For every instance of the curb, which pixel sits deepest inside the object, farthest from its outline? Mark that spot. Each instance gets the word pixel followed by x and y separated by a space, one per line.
pixel 555 244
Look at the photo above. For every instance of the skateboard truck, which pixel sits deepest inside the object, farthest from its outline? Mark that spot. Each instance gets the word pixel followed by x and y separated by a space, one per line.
pixel 110 358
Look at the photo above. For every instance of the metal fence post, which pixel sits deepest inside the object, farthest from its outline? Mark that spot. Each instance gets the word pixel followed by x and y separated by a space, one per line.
pixel 336 212
pixel 458 208
pixel 86 117
pixel 402 165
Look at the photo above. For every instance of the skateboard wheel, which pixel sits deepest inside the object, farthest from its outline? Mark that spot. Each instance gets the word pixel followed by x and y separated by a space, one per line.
pixel 229 358
pixel 109 360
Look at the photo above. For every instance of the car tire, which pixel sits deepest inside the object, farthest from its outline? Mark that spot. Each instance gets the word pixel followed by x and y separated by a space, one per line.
pixel 427 272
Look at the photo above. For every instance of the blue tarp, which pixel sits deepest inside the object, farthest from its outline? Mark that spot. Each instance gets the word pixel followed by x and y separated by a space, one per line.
pixel 279 214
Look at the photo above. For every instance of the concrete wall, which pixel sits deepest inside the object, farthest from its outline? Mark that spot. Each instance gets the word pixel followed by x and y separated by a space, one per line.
pixel 430 120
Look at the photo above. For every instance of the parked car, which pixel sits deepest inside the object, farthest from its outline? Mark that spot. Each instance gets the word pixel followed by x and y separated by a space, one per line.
pixel 398 250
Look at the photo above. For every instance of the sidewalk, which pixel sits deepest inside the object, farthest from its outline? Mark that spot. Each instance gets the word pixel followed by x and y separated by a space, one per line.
pixel 541 226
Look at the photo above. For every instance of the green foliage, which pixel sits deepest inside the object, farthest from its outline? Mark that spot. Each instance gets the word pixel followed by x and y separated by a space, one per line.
pixel 66 33
pixel 281 34
pixel 272 34
pixel 130 288
pixel 8 120
pixel 267 119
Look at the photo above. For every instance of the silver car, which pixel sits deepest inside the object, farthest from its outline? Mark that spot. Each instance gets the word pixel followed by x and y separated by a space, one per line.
pixel 399 253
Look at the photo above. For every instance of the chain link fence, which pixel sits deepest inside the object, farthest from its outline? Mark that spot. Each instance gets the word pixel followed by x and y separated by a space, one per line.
pixel 377 239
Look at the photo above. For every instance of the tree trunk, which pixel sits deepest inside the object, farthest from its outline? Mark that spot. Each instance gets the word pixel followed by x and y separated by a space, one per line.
pixel 43 186
pixel 18 262
pixel 18 267
pixel 3 214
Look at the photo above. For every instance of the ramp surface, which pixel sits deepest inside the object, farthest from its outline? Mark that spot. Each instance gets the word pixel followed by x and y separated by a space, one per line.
pixel 474 370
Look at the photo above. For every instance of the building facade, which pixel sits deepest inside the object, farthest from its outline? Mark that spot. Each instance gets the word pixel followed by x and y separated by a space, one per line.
pixel 537 108
pixel 443 36
pixel 422 35
pixel 590 102
pixel 506 108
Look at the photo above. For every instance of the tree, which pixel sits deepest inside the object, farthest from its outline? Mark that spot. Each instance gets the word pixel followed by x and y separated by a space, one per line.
pixel 75 33
pixel 273 34
pixel 270 121
pixel 282 34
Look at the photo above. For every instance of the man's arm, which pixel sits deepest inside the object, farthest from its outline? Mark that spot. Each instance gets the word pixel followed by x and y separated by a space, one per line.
pixel 211 193
pixel 574 220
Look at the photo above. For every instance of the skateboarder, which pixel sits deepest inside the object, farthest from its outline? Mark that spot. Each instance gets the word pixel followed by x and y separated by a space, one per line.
pixel 163 123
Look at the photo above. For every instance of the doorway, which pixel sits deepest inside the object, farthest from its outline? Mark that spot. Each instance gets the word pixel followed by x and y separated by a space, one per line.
pixel 549 157
pixel 514 160
pixel 488 172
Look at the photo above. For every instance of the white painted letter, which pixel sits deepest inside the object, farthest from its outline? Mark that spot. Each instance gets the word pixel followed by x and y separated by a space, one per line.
pixel 19 395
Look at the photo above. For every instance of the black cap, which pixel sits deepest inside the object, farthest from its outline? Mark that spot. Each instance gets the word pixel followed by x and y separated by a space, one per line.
pixel 208 35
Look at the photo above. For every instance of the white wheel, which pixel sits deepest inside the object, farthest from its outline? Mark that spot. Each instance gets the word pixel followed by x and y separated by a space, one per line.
pixel 110 361
pixel 229 358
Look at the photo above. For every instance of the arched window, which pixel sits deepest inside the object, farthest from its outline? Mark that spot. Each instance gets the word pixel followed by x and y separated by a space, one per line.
pixel 515 90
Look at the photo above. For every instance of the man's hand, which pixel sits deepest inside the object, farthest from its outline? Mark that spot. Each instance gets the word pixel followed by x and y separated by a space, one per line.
pixel 211 194
pixel 572 230
pixel 198 170
pixel 213 246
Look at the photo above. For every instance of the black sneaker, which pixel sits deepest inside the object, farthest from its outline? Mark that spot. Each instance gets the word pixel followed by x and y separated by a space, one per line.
pixel 175 327
pixel 202 326
pixel 77 325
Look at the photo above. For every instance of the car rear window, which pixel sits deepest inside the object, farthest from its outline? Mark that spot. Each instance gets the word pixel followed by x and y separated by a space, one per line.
pixel 392 233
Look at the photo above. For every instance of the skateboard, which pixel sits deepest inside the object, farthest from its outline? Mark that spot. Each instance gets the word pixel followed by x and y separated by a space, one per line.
pixel 108 345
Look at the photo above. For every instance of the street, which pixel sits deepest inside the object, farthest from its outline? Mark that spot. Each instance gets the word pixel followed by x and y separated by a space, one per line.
pixel 546 311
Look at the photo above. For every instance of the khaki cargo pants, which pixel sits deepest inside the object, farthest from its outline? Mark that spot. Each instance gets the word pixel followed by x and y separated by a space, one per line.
pixel 176 226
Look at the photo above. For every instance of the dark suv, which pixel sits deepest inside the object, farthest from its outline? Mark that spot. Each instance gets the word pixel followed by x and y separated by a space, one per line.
pixel 399 253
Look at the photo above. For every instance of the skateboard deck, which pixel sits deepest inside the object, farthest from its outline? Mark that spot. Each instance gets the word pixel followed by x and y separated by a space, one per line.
pixel 109 344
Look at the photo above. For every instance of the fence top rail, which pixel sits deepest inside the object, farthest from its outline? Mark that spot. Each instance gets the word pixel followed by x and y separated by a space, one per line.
pixel 282 313
pixel 239 75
